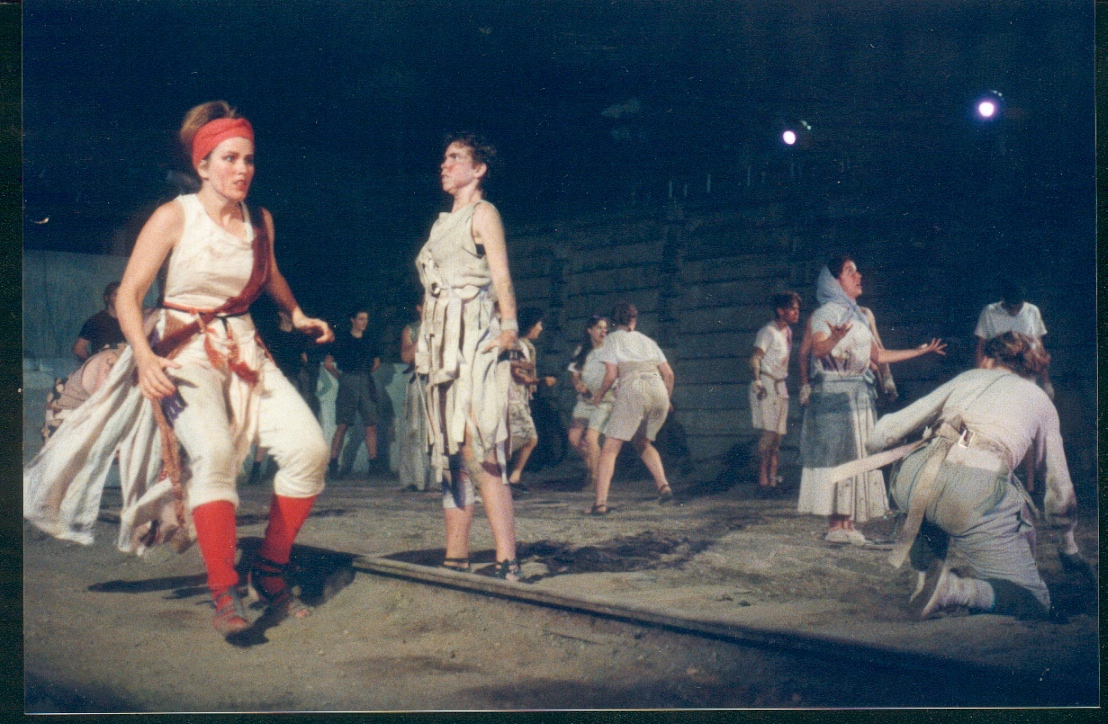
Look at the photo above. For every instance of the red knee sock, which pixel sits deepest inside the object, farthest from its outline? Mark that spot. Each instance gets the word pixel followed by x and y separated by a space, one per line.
pixel 215 533
pixel 286 516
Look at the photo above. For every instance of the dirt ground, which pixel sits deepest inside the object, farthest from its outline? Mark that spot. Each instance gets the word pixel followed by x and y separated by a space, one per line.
pixel 104 631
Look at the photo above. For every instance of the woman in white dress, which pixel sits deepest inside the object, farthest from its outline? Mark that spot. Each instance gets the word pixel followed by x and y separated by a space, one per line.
pixel 469 327
pixel 588 418
pixel 213 389
pixel 641 405
pixel 840 407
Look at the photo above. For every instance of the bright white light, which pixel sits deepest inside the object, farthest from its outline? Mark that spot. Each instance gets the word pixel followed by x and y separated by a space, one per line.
pixel 788 137
pixel 986 109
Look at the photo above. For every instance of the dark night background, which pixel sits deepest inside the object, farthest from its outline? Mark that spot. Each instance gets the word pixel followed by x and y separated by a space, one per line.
pixel 594 105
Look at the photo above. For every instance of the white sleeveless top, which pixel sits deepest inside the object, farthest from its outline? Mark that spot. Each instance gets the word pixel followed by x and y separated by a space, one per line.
pixel 209 265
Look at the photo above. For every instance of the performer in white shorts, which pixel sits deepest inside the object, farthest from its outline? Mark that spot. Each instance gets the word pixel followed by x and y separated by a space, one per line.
pixel 769 399
pixel 587 372
pixel 641 406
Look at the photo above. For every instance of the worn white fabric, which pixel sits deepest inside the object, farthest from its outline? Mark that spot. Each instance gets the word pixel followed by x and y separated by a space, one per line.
pixel 286 428
pixel 837 423
pixel 772 411
pixel 467 383
pixel 1005 409
pixel 851 356
pixel 775 344
pixel 995 321
pixel 622 346
pixel 209 265
pixel 592 372
pixel 642 404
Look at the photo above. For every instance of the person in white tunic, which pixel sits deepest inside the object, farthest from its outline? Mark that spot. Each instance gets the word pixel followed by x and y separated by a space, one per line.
pixel 212 388
pixel 587 372
pixel 769 397
pixel 641 406
pixel 840 403
pixel 468 329
pixel 1013 313
pixel 525 380
pixel 983 422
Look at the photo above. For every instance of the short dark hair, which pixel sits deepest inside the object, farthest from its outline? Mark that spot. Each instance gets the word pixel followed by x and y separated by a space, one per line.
pixel 111 287
pixel 479 147
pixel 784 300
pixel 528 317
pixel 622 313
pixel 358 310
pixel 836 263
pixel 1012 291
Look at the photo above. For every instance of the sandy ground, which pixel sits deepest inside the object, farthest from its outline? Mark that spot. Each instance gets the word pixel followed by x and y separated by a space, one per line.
pixel 104 631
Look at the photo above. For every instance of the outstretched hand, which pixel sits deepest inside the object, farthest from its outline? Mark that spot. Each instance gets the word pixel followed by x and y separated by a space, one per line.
pixel 313 327
pixel 935 345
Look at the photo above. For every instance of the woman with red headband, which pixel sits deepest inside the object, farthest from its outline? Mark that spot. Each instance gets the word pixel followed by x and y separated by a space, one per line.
pixel 213 390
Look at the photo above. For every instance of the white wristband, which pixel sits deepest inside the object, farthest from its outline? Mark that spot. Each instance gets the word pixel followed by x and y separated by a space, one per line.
pixel 509 325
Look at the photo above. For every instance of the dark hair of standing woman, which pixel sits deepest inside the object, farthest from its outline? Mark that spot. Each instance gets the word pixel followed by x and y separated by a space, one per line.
pixel 528 317
pixel 1019 353
pixel 479 147
pixel 622 313
pixel 585 347
pixel 836 263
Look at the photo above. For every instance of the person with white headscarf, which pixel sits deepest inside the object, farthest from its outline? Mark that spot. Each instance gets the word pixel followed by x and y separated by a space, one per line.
pixel 840 403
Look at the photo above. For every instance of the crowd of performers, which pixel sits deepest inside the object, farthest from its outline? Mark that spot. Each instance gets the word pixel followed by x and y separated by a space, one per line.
pixel 181 404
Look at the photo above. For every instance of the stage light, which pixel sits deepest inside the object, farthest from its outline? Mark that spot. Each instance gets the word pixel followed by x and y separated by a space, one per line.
pixel 988 107
pixel 789 137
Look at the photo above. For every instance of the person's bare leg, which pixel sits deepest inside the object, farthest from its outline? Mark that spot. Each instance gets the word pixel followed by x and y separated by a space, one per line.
pixel 592 453
pixel 497 500
pixel 371 442
pixel 336 441
pixel 835 522
pixel 522 455
pixel 765 443
pixel 774 458
pixel 576 439
pixel 605 469
pixel 652 460
pixel 458 523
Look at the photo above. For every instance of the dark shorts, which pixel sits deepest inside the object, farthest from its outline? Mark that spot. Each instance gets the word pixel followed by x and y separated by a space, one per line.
pixel 357 396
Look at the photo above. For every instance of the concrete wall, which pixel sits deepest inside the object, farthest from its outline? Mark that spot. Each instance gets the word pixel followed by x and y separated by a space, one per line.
pixel 701 278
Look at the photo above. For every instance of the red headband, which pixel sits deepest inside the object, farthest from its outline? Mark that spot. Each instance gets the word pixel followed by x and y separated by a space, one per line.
pixel 215 132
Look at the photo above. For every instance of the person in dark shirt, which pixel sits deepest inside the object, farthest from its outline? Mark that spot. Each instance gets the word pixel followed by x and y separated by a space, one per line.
pixel 101 329
pixel 352 359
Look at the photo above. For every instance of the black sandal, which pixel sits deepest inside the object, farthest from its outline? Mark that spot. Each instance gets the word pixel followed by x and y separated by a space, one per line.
pixel 461 565
pixel 266 582
pixel 230 615
pixel 665 495
pixel 598 509
pixel 508 570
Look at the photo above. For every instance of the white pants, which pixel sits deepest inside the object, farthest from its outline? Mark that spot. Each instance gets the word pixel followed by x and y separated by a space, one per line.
pixel 286 428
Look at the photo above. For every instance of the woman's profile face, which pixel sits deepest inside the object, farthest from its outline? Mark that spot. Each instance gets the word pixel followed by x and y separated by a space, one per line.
pixel 598 332
pixel 458 169
pixel 229 168
pixel 535 331
pixel 850 279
